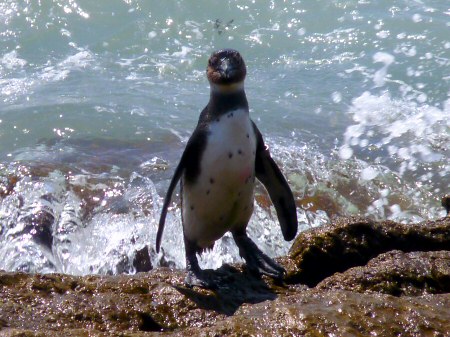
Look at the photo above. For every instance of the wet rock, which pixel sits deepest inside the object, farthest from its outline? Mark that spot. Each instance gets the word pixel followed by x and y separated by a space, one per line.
pixel 141 261
pixel 142 302
pixel 357 302
pixel 323 251
pixel 397 273
pixel 445 202
pixel 36 221
pixel 337 313
pixel 145 304
pixel 7 184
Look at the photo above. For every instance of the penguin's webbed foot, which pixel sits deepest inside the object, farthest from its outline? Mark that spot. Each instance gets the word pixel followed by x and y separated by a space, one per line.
pixel 196 276
pixel 257 262
pixel 198 279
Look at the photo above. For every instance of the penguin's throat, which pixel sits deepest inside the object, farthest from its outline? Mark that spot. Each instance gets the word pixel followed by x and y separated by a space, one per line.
pixel 226 89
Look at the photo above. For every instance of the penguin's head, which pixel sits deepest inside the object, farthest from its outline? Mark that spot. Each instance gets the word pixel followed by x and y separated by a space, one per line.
pixel 226 70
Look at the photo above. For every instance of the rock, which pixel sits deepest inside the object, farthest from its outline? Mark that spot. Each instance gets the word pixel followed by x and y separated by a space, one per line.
pixel 397 273
pixel 142 302
pixel 39 222
pixel 141 261
pixel 7 184
pixel 323 251
pixel 392 293
pixel 140 305
pixel 336 313
pixel 445 202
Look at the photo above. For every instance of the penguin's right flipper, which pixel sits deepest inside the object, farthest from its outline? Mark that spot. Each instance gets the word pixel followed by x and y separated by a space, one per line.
pixel 269 174
pixel 189 165
pixel 162 219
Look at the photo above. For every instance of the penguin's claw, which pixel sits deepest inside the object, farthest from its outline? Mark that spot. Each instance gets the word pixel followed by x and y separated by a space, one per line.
pixel 257 262
pixel 198 279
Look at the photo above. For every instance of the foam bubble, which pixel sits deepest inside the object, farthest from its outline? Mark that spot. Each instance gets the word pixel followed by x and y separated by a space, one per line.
pixel 183 52
pixel 383 34
pixel 369 173
pixel 417 18
pixel 336 96
pixel 383 57
pixel 301 31
pixel 345 152
pixel 379 78
pixel 12 61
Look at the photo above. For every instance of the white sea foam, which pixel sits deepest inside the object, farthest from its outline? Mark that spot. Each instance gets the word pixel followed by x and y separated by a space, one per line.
pixel 127 212
pixel 82 59
pixel 12 61
pixel 14 88
pixel 379 77
pixel 422 130
pixel 369 173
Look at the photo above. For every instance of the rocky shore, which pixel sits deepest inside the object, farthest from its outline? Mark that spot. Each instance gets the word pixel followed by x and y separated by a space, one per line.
pixel 353 277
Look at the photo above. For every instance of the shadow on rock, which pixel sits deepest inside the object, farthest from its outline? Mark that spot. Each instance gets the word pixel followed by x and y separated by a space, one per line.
pixel 234 288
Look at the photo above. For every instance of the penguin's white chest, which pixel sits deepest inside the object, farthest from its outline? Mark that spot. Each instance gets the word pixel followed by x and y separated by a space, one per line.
pixel 221 199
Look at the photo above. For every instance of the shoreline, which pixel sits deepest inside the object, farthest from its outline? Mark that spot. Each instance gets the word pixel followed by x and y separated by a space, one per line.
pixel 396 281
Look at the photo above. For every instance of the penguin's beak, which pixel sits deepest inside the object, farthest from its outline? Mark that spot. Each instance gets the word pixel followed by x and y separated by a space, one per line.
pixel 226 68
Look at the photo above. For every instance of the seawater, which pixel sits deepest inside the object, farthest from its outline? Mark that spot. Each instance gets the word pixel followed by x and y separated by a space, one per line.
pixel 98 98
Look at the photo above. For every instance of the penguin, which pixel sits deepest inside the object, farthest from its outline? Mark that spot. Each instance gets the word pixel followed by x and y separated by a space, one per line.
pixel 217 170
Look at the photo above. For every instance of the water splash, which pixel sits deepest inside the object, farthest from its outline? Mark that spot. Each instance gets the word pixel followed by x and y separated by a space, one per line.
pixel 415 136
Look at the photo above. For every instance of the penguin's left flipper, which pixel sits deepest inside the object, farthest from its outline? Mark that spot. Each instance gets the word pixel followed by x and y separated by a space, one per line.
pixel 269 174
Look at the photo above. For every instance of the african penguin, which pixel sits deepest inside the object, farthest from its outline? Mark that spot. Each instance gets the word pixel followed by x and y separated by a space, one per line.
pixel 218 167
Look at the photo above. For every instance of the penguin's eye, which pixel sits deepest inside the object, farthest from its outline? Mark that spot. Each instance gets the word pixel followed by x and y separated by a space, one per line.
pixel 212 61
pixel 238 59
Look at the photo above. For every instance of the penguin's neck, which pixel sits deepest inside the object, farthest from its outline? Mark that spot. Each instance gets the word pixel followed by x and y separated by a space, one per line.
pixel 221 102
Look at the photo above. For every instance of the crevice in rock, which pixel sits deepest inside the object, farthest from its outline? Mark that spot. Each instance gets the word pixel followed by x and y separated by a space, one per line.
pixel 323 251
pixel 148 323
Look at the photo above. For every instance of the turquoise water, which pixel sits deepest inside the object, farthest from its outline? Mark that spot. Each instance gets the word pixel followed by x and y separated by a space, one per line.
pixel 97 99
